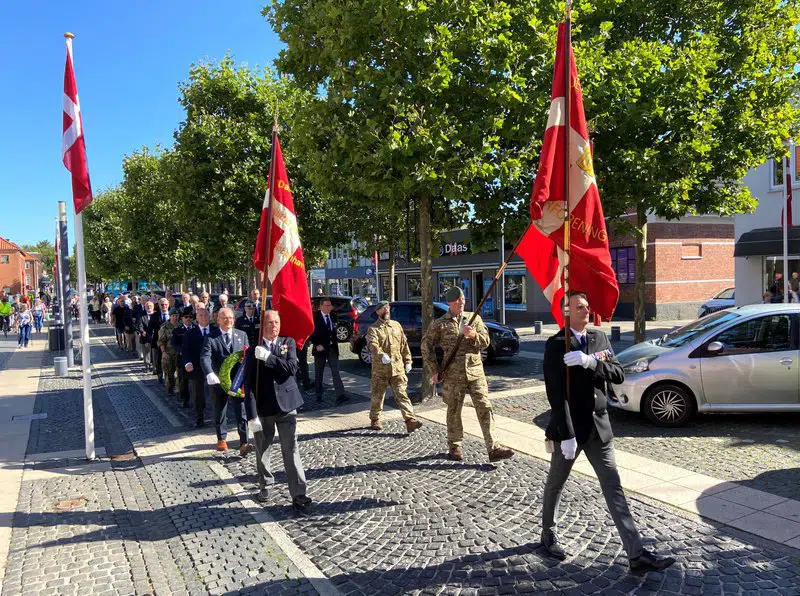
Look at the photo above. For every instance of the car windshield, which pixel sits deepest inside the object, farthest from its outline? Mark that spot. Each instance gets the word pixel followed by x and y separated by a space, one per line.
pixel 685 334
pixel 725 295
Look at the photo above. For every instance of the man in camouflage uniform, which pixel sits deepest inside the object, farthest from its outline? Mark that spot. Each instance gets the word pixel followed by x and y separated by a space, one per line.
pixel 169 357
pixel 391 361
pixel 464 375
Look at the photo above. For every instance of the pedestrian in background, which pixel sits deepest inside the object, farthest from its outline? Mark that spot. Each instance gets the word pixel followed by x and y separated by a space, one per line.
pixel 24 320
pixel 130 323
pixel 465 374
pixel 326 350
pixel 157 319
pixel 143 335
pixel 391 362
pixel 118 320
pixel 192 350
pixel 255 298
pixel 38 315
pixel 178 336
pixel 579 422
pixel 205 300
pixel 249 322
pixel 105 310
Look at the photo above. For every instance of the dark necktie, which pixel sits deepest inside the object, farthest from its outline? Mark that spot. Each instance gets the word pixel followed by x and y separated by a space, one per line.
pixel 328 323
pixel 227 341
pixel 583 343
pixel 163 318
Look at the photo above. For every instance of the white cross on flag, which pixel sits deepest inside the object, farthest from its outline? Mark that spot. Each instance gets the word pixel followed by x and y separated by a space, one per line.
pixel 73 148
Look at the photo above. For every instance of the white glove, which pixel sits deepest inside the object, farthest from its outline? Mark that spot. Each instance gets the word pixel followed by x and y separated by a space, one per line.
pixel 569 448
pixel 576 357
pixel 255 425
pixel 189 367
pixel 212 379
pixel 262 353
pixel 386 359
pixel 408 368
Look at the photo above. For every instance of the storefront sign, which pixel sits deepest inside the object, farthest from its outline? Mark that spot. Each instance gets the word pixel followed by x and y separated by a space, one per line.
pixel 451 249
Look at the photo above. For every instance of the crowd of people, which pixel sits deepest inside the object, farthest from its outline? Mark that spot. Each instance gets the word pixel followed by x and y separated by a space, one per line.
pixel 775 291
pixel 22 315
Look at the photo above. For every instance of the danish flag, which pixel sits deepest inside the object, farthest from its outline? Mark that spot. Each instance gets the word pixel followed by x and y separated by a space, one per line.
pixel 73 147
pixel 542 246
pixel 283 258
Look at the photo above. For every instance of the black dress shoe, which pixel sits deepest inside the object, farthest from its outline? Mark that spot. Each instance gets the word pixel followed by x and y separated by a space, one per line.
pixel 342 398
pixel 319 399
pixel 647 561
pixel 262 496
pixel 303 505
pixel 199 423
pixel 553 547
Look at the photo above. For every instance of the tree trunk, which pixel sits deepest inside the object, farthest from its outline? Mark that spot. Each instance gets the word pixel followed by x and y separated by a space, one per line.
pixel 426 278
pixel 639 282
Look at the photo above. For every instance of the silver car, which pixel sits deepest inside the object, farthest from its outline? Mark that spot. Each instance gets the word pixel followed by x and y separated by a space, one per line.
pixel 736 360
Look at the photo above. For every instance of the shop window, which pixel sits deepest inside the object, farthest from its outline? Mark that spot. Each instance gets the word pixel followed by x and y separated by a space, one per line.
pixel 623 262
pixel 3 259
pixel 447 280
pixel 414 285
pixel 516 291
pixel 385 288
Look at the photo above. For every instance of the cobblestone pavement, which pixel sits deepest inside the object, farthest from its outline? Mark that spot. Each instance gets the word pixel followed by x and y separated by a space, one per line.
pixel 761 451
pixel 395 517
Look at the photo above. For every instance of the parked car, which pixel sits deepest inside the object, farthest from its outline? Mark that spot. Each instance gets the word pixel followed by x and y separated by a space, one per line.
pixel 725 299
pixel 504 339
pixel 347 310
pixel 742 359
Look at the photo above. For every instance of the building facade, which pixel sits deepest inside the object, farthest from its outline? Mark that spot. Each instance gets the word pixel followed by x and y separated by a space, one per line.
pixel 20 270
pixel 759 235
pixel 689 261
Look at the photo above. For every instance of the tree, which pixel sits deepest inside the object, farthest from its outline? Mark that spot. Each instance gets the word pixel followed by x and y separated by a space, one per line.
pixel 47 251
pixel 415 100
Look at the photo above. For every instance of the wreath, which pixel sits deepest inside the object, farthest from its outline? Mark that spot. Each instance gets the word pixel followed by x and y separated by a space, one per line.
pixel 232 374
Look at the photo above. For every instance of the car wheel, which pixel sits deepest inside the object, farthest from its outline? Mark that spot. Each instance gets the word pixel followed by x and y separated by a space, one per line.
pixel 364 355
pixel 668 405
pixel 342 333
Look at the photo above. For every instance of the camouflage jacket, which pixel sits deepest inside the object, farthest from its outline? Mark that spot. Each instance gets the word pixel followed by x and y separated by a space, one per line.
pixel 165 338
pixel 443 332
pixel 388 337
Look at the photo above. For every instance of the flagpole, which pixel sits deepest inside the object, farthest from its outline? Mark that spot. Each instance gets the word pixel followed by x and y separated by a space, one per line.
pixel 786 187
pixel 567 167
pixel 86 358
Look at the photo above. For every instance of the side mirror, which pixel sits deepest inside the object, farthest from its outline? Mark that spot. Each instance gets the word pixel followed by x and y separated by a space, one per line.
pixel 714 347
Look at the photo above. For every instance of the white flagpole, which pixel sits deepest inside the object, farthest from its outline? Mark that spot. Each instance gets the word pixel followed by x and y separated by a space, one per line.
pixel 86 359
pixel 788 182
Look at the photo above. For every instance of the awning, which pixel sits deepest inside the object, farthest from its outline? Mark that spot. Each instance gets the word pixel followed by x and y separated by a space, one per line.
pixel 766 242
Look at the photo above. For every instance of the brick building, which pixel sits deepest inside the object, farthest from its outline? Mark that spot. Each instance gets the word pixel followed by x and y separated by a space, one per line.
pixel 688 262
pixel 19 269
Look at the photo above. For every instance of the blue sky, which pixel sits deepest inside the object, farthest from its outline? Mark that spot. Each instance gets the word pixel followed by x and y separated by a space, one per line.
pixel 129 59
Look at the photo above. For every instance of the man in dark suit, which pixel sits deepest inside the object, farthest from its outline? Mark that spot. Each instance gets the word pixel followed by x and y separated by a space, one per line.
pixel 193 349
pixel 580 423
pixel 272 388
pixel 326 349
pixel 178 335
pixel 157 319
pixel 221 343
pixel 249 322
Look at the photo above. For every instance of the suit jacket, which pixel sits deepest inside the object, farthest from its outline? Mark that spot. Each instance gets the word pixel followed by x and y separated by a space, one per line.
pixel 251 328
pixel 322 336
pixel 214 350
pixel 178 336
pixel 588 388
pixel 193 344
pixel 154 327
pixel 143 328
pixel 277 387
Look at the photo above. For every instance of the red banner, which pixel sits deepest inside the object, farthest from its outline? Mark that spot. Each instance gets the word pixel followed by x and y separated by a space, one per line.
pixel 73 147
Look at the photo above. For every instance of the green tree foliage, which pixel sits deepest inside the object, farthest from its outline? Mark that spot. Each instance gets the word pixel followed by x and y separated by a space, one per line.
pixel 47 251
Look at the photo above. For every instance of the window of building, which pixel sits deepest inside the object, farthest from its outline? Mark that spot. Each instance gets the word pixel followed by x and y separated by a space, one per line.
pixel 516 291
pixel 447 280
pixel 27 264
pixel 623 262
pixel 691 250
pixel 414 285
pixel 777 172
pixel 4 259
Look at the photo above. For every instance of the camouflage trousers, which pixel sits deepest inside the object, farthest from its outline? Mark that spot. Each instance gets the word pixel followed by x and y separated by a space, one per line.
pixel 453 390
pixel 169 364
pixel 399 384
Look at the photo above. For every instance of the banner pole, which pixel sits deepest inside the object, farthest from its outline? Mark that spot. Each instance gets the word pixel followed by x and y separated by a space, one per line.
pixel 86 358
pixel 567 167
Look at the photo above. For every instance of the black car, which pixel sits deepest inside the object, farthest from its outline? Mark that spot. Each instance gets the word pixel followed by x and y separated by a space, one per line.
pixel 347 310
pixel 504 339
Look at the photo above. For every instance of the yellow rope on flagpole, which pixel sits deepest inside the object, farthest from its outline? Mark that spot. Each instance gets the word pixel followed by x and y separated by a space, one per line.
pixel 69 35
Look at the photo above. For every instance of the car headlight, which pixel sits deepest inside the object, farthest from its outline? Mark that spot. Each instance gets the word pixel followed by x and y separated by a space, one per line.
pixel 639 366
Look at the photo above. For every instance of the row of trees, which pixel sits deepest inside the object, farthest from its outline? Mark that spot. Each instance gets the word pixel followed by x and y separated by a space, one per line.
pixel 399 119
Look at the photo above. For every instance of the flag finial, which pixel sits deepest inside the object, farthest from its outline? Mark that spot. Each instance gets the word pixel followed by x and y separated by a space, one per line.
pixel 69 35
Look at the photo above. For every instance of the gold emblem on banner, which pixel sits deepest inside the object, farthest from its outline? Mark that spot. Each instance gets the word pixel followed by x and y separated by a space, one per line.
pixel 585 161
